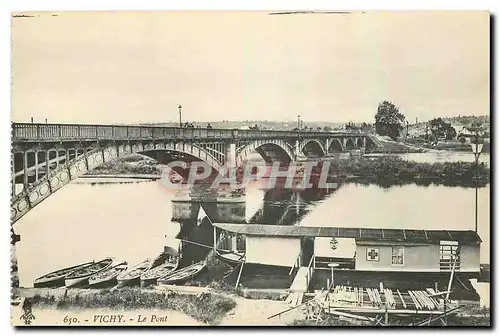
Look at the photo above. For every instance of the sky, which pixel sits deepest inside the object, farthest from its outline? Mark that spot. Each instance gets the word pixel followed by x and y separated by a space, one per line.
pixel 129 67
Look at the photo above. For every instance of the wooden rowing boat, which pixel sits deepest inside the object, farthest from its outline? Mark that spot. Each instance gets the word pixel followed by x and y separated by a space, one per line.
pixel 132 276
pixel 56 278
pixel 108 277
pixel 183 274
pixel 163 265
pixel 232 258
pixel 81 275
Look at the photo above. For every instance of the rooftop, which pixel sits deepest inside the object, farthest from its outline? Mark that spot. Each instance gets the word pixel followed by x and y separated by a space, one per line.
pixel 359 233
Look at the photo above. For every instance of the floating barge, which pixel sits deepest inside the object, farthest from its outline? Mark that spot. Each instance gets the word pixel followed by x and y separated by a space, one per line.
pixel 366 271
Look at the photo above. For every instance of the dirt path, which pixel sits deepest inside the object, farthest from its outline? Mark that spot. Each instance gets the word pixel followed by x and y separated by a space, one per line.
pixel 256 312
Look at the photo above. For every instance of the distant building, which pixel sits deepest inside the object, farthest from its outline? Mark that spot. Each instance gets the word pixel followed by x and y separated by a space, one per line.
pixel 470 132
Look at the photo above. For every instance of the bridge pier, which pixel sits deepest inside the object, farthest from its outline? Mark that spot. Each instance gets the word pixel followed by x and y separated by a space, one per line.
pixel 230 155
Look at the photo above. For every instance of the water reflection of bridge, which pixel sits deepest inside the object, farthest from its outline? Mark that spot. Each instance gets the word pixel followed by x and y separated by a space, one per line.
pixel 279 206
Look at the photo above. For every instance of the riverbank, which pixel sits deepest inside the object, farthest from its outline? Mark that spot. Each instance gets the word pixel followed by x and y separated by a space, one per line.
pixel 393 170
pixel 208 308
pixel 393 147
pixel 157 307
pixel 52 306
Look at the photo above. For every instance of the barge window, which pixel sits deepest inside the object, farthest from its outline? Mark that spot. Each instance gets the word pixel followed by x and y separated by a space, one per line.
pixel 398 255
pixel 448 253
pixel 372 254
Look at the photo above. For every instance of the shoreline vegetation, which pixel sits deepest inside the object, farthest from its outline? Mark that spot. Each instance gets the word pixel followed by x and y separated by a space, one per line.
pixel 391 170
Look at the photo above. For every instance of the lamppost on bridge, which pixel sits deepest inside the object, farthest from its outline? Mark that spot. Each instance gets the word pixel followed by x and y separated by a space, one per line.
pixel 476 150
pixel 180 115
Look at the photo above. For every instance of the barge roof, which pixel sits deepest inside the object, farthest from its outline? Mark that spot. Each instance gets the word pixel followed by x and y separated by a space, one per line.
pixel 360 234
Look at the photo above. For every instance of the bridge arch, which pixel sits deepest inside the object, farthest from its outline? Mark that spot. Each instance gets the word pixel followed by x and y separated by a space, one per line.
pixel 360 143
pixel 335 146
pixel 264 147
pixel 312 147
pixel 23 202
pixel 349 144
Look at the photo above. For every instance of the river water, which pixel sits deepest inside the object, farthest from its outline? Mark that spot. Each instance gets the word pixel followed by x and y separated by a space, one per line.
pixel 132 221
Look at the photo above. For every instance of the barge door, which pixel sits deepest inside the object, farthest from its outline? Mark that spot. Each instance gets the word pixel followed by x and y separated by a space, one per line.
pixel 307 248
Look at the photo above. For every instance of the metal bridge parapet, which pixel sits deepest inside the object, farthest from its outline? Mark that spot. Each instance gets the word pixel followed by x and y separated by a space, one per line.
pixel 82 132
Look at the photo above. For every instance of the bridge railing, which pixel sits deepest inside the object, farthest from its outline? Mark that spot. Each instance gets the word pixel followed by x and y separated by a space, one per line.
pixel 57 132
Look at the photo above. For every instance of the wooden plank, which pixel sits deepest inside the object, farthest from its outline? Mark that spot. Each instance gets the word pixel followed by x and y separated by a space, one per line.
pixel 431 301
pixel 359 317
pixel 436 302
pixel 424 297
pixel 455 258
pixel 388 298
pixel 420 300
pixel 288 300
pixel 402 300
pixel 391 301
pixel 379 298
pixel 415 302
pixel 369 292
pixel 239 275
pixel 417 299
pixel 300 296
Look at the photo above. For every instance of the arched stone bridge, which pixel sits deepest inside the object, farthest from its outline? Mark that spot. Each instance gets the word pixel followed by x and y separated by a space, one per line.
pixel 45 157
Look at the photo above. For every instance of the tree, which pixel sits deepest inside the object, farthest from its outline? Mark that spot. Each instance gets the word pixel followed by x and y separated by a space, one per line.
pixel 327 128
pixel 461 139
pixel 388 120
pixel 442 129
